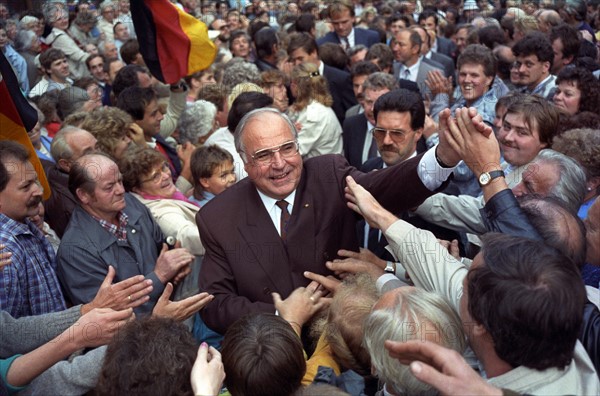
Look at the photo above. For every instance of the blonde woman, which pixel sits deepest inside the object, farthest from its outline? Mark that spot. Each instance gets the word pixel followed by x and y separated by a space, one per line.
pixel 320 131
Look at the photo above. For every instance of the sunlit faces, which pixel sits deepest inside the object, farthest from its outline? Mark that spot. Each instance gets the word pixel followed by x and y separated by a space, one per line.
pixel 520 143
pixel 568 96
pixel 59 70
pixel 539 178
pixel 223 177
pixel 61 20
pixel 121 32
pixel 473 82
pixel 531 70
pixel 158 182
pixel 80 142
pixel 357 87
pixel 428 23
pixel 559 60
pixel 403 49
pixel 151 121
pixel 396 26
pixel 397 148
pixel 299 56
pixel 370 97
pixel 96 66
pixel 23 193
pixel 108 196
pixel 460 39
pixel 342 22
pixel 110 50
pixel 240 47
pixel 281 176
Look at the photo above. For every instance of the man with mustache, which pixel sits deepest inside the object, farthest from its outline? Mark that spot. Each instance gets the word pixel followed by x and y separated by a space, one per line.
pixel 36 290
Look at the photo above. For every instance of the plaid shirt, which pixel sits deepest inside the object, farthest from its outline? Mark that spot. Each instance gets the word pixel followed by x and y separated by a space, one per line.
pixel 120 232
pixel 28 286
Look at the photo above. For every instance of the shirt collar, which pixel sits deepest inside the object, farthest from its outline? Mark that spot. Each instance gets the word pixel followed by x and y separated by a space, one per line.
pixel 269 202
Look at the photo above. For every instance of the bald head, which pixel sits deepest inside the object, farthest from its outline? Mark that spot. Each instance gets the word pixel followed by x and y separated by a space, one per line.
pixel 547 19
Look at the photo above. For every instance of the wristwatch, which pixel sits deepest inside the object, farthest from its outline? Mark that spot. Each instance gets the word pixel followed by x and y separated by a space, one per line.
pixel 390 267
pixel 486 177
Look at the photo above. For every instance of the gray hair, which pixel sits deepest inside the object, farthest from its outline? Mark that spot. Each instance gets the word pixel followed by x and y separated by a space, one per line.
pixel 106 4
pixel 26 21
pixel 571 186
pixel 417 315
pixel 102 44
pixel 241 128
pixel 60 149
pixel 196 121
pixel 24 39
pixel 380 80
pixel 239 71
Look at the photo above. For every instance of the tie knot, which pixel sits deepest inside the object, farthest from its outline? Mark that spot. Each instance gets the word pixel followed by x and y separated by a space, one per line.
pixel 282 204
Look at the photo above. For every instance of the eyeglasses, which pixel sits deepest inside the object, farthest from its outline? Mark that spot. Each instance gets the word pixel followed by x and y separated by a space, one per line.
pixel 396 135
pixel 266 156
pixel 156 176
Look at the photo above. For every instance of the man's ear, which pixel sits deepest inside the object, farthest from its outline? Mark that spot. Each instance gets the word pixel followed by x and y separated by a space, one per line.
pixel 64 164
pixel 83 196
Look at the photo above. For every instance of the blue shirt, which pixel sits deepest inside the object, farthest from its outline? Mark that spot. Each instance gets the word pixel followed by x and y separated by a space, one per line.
pixel 19 65
pixel 28 286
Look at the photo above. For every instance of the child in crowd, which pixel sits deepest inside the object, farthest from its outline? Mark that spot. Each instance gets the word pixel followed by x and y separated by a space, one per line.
pixel 212 173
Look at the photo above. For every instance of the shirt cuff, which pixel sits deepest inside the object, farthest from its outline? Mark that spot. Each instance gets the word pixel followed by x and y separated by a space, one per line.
pixel 430 172
pixel 383 279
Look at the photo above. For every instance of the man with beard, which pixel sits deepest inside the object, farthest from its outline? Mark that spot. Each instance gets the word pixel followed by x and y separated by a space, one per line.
pixel 29 285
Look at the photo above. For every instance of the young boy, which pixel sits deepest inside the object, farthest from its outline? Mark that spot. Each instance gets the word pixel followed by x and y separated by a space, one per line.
pixel 212 173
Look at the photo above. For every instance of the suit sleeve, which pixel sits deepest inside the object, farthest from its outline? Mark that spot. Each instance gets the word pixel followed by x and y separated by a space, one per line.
pixel 216 278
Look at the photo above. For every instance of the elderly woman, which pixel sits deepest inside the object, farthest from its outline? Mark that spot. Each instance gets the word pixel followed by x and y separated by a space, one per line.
pixel 197 122
pixel 114 130
pixel 59 38
pixel 577 90
pixel 320 132
pixel 148 177
pixel 28 45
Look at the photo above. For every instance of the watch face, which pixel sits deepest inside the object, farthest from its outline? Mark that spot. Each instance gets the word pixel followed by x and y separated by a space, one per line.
pixel 484 178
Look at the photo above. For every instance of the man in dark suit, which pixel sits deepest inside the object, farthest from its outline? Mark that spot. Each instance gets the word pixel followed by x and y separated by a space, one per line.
pixel 359 145
pixel 341 14
pixel 303 48
pixel 429 20
pixel 288 217
pixel 435 59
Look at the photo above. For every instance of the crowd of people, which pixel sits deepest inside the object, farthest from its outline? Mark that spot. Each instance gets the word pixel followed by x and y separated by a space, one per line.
pixel 356 197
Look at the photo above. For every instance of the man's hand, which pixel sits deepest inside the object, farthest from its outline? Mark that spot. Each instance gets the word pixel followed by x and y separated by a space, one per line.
pixel 438 84
pixel 362 202
pixel 430 127
pixel 442 368
pixel 452 247
pixel 180 310
pixel 170 262
pixel 474 141
pixel 136 134
pixel 300 306
pixel 129 293
pixel 357 262
pixel 330 283
pixel 5 256
pixel 208 372
pixel 98 326
pixel 444 150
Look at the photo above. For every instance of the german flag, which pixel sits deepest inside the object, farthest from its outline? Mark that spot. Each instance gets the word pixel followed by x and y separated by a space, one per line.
pixel 17 117
pixel 173 43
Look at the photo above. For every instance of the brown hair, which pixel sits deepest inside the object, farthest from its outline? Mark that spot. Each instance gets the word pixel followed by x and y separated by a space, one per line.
pixel 311 86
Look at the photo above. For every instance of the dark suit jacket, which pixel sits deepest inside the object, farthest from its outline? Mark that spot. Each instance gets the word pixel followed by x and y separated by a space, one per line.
pixel 246 260
pixel 446 46
pixel 365 37
pixel 447 64
pixel 61 203
pixel 354 134
pixel 340 87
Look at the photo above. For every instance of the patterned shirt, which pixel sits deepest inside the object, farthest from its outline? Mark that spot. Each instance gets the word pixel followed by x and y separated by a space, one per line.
pixel 120 231
pixel 28 286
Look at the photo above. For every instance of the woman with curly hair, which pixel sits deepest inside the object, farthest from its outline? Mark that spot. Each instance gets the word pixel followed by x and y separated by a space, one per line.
pixel 114 129
pixel 577 90
pixel 320 131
